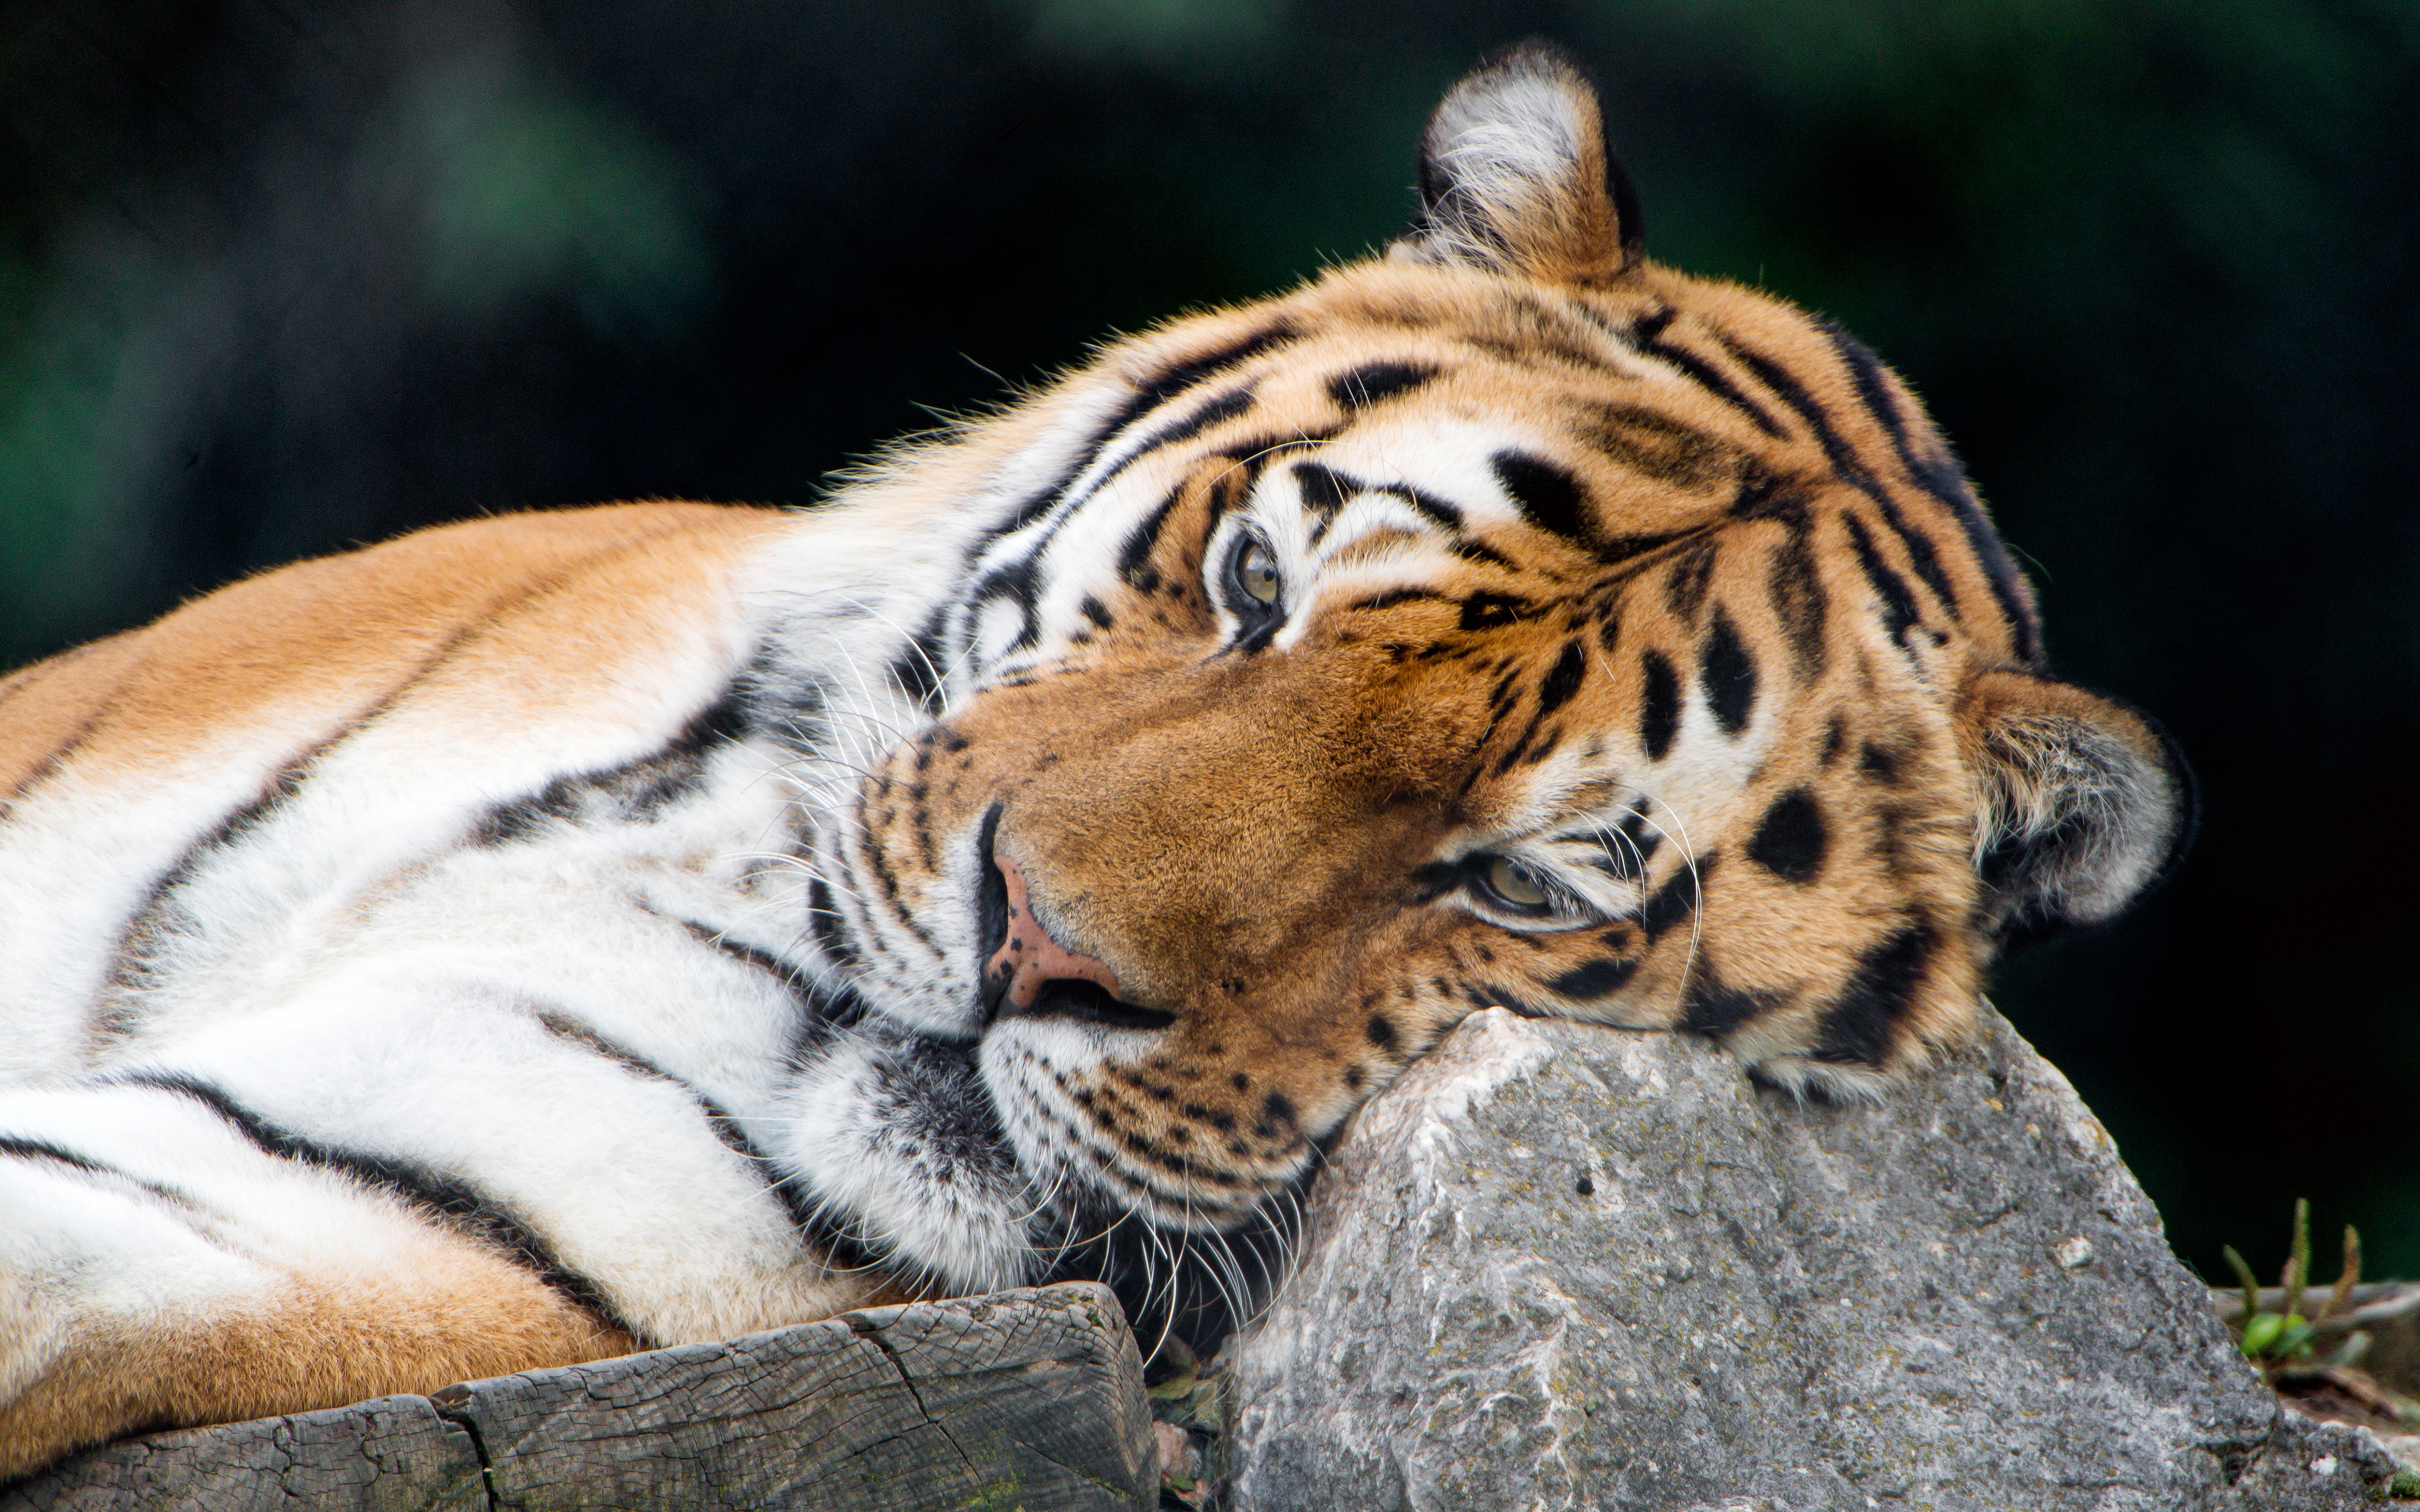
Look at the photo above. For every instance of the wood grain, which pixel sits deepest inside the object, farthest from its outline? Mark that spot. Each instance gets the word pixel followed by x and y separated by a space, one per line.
pixel 1026 1399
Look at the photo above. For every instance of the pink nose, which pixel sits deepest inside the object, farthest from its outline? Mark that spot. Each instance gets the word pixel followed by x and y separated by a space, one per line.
pixel 1028 958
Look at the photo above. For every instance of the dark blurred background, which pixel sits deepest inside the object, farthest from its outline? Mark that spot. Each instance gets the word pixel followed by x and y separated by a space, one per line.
pixel 277 276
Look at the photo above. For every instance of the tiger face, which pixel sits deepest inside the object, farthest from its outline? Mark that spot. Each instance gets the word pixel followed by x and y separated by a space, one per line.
pixel 1510 620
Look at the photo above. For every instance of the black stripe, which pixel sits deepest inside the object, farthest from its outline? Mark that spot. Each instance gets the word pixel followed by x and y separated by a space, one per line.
pixel 565 1027
pixel 1799 603
pixel 1615 861
pixel 1515 751
pixel 636 792
pixel 1921 553
pixel 1178 377
pixel 1258 453
pixel 1395 595
pixel 1790 839
pixel 1563 680
pixel 1155 392
pixel 872 857
pixel 1643 837
pixel 1225 407
pixel 1899 604
pixel 35 1150
pixel 1135 557
pixel 807 1215
pixel 1019 582
pixel 451 1201
pixel 1942 477
pixel 1366 386
pixel 1549 497
pixel 1324 490
pixel 1654 444
pixel 821 1010
pixel 1685 585
pixel 1236 481
pixel 824 922
pixel 1713 1008
pixel 158 916
pixel 1859 1028
pixel 918 667
pixel 1595 979
pixel 1727 675
pixel 1679 898
pixel 1659 713
pixel 152 922
pixel 1766 495
pixel 642 790
pixel 1436 510
pixel 1648 335
pixel 792 978
pixel 1487 611
pixel 1618 550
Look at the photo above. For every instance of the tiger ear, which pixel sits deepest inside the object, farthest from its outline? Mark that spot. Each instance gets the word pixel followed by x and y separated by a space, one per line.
pixel 1515 176
pixel 2084 803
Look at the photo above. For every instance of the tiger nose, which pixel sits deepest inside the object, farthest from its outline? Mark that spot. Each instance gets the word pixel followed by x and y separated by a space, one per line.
pixel 1029 959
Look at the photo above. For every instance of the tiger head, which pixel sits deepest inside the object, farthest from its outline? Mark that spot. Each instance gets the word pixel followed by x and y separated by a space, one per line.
pixel 1505 620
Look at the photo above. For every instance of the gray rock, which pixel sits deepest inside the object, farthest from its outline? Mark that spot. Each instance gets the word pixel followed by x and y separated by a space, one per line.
pixel 1562 1265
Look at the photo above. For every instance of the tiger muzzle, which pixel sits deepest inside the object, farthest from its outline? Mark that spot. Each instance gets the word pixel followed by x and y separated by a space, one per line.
pixel 1026 972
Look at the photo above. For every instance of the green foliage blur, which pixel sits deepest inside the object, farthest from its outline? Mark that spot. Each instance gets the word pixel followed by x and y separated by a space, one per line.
pixel 281 275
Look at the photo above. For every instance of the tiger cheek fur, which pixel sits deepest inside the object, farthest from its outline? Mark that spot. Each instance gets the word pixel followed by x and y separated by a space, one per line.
pixel 1237 840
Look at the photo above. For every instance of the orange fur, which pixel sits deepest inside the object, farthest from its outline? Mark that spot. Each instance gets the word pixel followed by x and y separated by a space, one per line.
pixel 308 646
pixel 448 1311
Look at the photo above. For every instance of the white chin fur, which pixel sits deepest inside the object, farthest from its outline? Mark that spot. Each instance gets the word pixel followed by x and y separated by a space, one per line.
pixel 848 1126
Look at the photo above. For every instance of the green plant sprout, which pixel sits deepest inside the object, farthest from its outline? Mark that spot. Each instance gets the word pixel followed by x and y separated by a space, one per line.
pixel 2272 1339
pixel 2284 1345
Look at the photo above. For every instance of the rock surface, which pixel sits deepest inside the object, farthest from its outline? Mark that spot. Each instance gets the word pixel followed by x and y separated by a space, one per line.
pixel 1023 1399
pixel 1562 1265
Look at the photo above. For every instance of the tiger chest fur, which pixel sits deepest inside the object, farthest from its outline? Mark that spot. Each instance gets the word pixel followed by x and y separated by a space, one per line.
pixel 539 938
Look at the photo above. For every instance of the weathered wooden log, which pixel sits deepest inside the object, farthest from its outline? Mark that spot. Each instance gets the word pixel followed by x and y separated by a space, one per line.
pixel 394 1453
pixel 1026 1399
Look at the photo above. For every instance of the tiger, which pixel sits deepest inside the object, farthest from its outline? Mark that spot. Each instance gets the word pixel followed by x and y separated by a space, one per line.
pixel 566 933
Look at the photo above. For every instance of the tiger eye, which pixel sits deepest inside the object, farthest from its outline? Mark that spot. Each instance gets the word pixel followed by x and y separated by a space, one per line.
pixel 1258 573
pixel 1516 884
